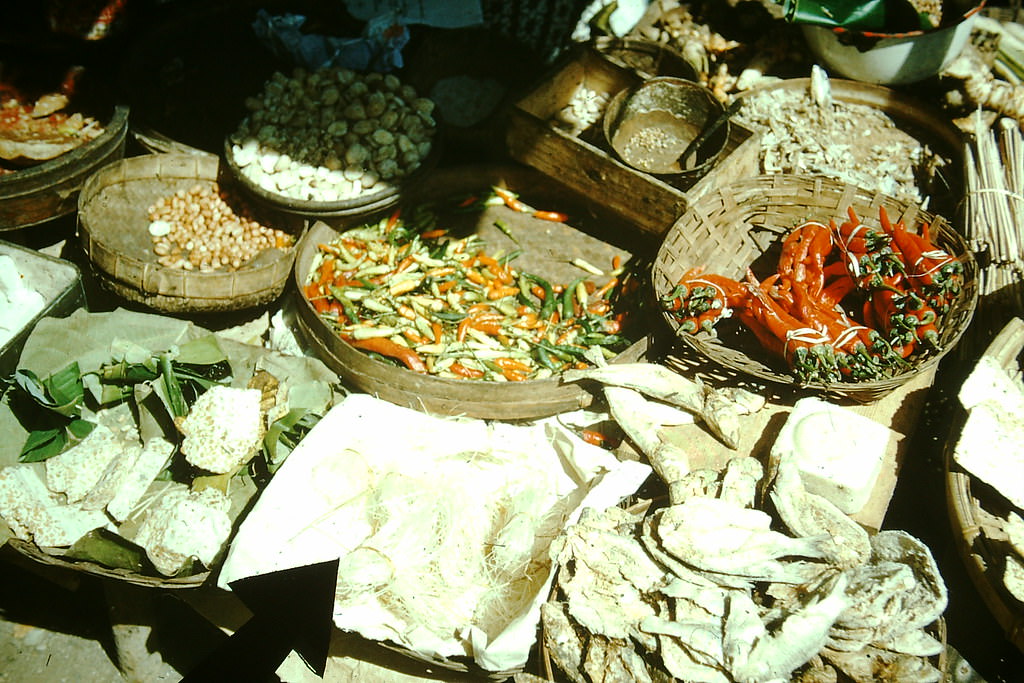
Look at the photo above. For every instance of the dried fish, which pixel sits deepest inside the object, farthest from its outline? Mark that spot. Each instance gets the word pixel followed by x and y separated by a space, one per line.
pixel 878 591
pixel 926 602
pixel 872 664
pixel 718 536
pixel 740 481
pixel 755 653
pixel 718 411
pixel 614 661
pixel 564 643
pixel 694 647
pixel 702 482
pixel 808 514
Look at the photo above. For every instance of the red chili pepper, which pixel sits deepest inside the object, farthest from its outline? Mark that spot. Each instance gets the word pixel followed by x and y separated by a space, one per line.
pixel 511 200
pixel 463 371
pixel 386 347
pixel 392 220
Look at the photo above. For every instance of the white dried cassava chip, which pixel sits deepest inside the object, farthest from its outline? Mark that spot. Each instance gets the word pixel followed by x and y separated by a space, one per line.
pixel 143 472
pixel 223 429
pixel 35 514
pixel 76 471
pixel 185 524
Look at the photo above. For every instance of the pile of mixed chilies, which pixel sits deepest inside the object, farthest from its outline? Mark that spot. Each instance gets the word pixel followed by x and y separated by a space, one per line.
pixel 407 291
pixel 897 285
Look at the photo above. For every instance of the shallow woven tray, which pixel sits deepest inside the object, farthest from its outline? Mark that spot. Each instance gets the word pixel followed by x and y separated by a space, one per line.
pixel 113 229
pixel 972 504
pixel 741 225
pixel 547 249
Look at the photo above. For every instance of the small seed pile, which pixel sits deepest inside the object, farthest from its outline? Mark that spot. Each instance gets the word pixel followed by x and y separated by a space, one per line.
pixel 196 229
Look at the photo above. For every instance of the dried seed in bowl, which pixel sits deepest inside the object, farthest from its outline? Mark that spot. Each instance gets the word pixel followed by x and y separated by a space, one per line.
pixel 198 228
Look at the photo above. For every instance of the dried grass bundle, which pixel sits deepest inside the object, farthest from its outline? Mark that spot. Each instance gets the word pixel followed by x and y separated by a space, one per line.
pixel 993 216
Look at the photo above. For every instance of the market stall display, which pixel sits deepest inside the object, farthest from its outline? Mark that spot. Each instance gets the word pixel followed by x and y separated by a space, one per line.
pixel 332 142
pixel 738 233
pixel 579 156
pixel 114 420
pixel 470 324
pixel 984 509
pixel 140 255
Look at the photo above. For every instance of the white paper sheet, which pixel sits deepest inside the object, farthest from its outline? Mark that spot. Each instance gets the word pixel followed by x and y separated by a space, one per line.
pixel 309 512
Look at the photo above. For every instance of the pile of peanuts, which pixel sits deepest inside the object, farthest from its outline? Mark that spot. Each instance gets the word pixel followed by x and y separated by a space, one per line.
pixel 196 229
pixel 332 134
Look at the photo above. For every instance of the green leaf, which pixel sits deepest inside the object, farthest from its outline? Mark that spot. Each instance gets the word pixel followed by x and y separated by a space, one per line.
pixel 203 351
pixel 177 401
pixel 32 385
pixel 65 386
pixel 43 444
pixel 81 428
pixel 108 549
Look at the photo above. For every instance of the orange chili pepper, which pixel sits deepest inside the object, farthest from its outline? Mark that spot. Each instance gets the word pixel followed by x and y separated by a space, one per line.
pixel 440 271
pixel 443 287
pixel 392 221
pixel 386 347
pixel 438 332
pixel 405 264
pixel 501 291
pixel 512 364
pixel 555 216
pixel 434 234
pixel 475 277
pixel 538 292
pixel 461 370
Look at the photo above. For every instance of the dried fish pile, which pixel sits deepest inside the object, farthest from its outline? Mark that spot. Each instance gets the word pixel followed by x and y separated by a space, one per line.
pixel 810 132
pixel 708 589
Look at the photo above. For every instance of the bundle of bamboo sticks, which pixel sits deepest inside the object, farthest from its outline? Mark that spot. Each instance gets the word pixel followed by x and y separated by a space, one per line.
pixel 993 221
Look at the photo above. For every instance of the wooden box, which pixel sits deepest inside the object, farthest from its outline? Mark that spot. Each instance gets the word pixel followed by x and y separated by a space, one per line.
pixel 584 162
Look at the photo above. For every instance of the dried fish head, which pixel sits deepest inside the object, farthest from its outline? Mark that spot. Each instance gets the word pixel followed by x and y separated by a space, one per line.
pixel 740 481
pixel 808 514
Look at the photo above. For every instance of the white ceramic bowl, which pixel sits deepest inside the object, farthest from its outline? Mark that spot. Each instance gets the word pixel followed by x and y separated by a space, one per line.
pixel 890 58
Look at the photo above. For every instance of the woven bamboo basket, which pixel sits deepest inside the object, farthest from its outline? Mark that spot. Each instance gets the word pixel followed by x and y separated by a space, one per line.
pixel 548 249
pixel 741 225
pixel 972 505
pixel 113 229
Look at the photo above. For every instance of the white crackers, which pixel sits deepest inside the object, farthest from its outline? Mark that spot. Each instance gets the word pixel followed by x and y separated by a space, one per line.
pixel 34 513
pixel 991 445
pixel 223 429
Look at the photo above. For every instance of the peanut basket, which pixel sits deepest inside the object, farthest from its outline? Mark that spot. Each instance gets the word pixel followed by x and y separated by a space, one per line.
pixel 742 226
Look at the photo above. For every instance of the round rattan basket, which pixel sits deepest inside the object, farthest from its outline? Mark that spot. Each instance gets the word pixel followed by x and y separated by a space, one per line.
pixel 113 229
pixel 973 506
pixel 741 225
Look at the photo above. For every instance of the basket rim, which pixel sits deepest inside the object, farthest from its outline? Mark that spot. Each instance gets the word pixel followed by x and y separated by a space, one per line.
pixel 93 237
pixel 749 193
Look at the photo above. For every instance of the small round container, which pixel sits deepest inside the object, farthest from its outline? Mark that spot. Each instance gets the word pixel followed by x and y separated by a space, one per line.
pixel 891 58
pixel 650 126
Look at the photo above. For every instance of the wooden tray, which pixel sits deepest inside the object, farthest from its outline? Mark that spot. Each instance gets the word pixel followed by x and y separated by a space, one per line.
pixel 114 234
pixel 548 249
pixel 971 506
pixel 584 162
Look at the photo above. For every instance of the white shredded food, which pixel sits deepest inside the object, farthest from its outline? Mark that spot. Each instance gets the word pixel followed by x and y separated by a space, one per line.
pixel 453 546
pixel 853 143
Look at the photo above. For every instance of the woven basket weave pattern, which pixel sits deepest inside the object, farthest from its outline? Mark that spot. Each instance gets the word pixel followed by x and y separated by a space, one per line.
pixel 741 225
